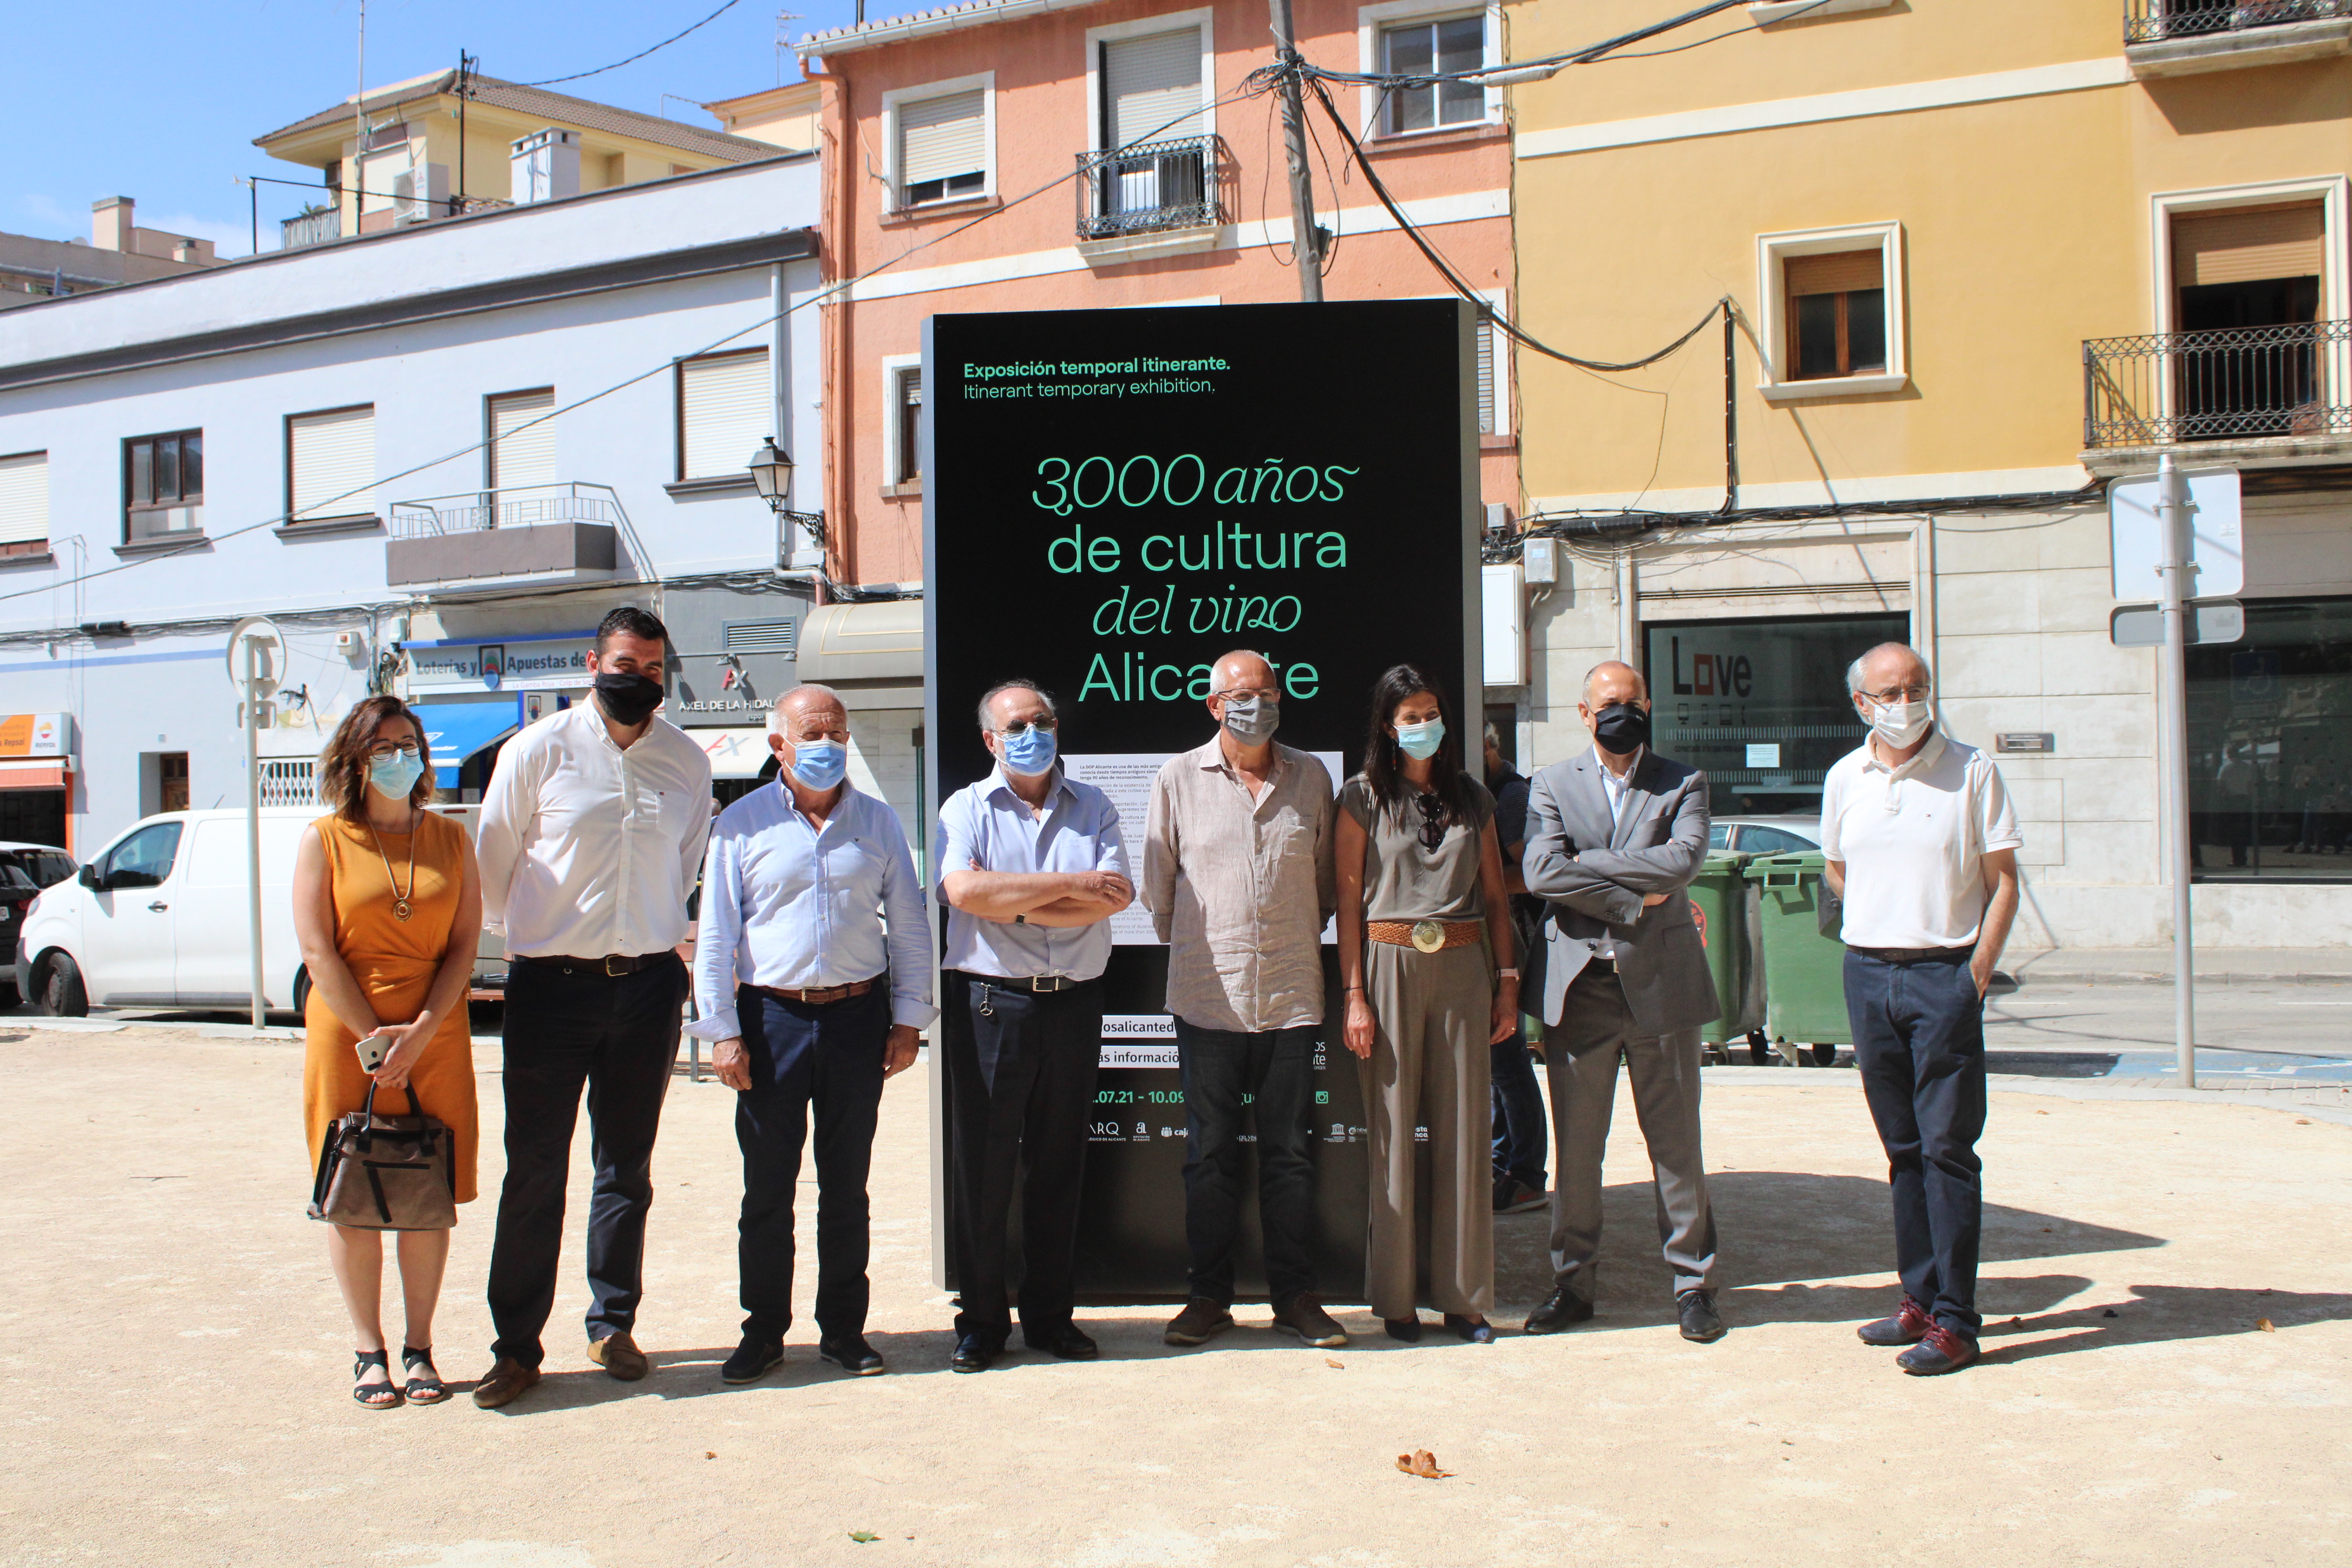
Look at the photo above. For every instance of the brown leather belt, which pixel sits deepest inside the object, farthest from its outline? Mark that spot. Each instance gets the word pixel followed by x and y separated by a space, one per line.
pixel 611 966
pixel 1424 936
pixel 817 993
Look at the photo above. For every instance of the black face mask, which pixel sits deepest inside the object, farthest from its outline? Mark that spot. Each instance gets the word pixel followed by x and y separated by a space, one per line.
pixel 1622 729
pixel 627 699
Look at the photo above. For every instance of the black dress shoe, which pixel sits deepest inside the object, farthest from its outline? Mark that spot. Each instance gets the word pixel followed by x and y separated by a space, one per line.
pixel 1700 1321
pixel 1066 1342
pixel 754 1359
pixel 1473 1330
pixel 973 1353
pixel 851 1354
pixel 1406 1331
pixel 1562 1309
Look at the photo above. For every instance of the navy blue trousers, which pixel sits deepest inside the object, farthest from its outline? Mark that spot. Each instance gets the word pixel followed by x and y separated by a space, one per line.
pixel 1918 1038
pixel 825 1058
pixel 1521 1136
pixel 1268 1077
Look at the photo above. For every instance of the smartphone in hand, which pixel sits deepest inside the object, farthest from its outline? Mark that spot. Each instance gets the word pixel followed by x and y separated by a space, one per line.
pixel 372 1050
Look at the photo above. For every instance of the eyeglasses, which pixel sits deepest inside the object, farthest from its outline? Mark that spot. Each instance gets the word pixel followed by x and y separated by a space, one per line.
pixel 1432 819
pixel 1899 694
pixel 1044 726
pixel 1263 694
pixel 408 748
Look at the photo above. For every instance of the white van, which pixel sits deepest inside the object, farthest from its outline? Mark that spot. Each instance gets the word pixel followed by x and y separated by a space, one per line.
pixel 158 919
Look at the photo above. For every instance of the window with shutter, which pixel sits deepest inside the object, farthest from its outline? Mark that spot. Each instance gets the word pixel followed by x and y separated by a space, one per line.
pixel 25 503
pixel 726 409
pixel 1837 314
pixel 2249 266
pixel 942 147
pixel 1151 87
pixel 521 453
pixel 1487 347
pixel 163 485
pixel 907 395
pixel 330 465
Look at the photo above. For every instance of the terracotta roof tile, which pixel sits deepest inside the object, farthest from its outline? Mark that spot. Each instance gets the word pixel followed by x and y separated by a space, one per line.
pixel 556 108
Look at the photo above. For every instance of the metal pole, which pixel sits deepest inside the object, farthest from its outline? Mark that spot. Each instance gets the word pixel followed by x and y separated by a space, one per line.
pixel 253 814
pixel 2172 528
pixel 1306 245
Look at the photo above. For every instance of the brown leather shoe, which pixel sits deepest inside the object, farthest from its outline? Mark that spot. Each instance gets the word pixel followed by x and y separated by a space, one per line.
pixel 619 1356
pixel 503 1381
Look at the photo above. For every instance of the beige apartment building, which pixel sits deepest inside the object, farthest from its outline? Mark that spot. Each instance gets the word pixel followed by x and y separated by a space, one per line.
pixel 1981 259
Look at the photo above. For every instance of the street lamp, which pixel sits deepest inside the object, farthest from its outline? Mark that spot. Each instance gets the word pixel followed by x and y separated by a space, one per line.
pixel 771 473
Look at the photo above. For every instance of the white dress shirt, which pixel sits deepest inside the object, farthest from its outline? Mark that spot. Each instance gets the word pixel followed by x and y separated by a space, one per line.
pixel 985 826
pixel 788 905
pixel 587 850
pixel 1913 838
pixel 1613 787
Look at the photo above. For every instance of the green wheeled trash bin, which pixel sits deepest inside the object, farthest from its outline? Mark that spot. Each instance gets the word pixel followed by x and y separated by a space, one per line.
pixel 1804 961
pixel 1723 903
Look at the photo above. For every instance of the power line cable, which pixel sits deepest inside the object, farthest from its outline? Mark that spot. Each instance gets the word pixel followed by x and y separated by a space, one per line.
pixel 641 54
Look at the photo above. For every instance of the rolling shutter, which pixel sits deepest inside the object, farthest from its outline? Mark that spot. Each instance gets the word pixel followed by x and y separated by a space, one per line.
pixel 1148 82
pixel 525 456
pixel 331 463
pixel 2248 244
pixel 940 138
pixel 1486 332
pixel 24 497
pixel 727 407
pixel 1845 272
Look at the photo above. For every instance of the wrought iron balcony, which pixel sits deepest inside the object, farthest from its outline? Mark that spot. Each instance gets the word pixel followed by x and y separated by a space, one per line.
pixel 1152 188
pixel 2154 21
pixel 531 531
pixel 311 228
pixel 2242 385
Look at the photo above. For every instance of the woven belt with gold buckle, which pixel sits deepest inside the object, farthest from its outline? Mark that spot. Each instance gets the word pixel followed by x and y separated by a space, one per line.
pixel 1424 936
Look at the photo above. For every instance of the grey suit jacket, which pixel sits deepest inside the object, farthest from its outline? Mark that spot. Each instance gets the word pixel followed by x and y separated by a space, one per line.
pixel 1593 875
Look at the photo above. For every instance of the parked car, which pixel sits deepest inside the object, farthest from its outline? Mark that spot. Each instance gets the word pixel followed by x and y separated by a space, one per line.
pixel 44 864
pixel 19 890
pixel 1765 834
pixel 158 919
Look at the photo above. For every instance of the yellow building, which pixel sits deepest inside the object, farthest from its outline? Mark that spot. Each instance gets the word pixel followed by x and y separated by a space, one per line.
pixel 1981 258
pixel 432 151
pixel 781 116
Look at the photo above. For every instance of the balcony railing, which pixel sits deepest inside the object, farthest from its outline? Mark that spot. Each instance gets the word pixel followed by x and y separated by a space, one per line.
pixel 2242 385
pixel 2153 21
pixel 311 228
pixel 526 506
pixel 1149 189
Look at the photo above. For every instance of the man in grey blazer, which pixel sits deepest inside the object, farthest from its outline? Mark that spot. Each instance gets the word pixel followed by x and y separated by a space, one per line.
pixel 1614 835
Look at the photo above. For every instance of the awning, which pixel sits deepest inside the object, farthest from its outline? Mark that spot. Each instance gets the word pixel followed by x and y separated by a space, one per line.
pixel 874 642
pixel 735 753
pixel 44 773
pixel 456 730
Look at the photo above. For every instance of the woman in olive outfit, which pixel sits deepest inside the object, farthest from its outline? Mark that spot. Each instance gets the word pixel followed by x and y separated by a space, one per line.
pixel 1426 959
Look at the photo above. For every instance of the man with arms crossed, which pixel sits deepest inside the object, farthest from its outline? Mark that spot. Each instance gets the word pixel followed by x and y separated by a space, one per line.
pixel 1614 836
pixel 1031 865
pixel 1919 841
pixel 812 1001
pixel 1237 875
pixel 591 831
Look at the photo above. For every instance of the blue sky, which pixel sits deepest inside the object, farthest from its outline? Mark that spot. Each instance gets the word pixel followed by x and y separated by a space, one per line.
pixel 162 102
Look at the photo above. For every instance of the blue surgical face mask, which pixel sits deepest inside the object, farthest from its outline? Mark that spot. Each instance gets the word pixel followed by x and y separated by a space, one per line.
pixel 1422 740
pixel 1028 752
pixel 395 775
pixel 820 764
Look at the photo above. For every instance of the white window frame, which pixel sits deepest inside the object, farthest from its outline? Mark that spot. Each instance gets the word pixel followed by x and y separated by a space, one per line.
pixel 892 365
pixel 1772 252
pixel 2329 190
pixel 1373 20
pixel 986 82
pixel 48 522
pixel 1205 19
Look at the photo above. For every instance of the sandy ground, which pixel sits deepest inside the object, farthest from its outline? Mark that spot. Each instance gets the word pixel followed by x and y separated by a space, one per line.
pixel 173 1373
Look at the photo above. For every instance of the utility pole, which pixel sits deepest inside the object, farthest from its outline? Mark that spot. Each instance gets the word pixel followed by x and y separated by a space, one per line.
pixel 2172 509
pixel 1307 240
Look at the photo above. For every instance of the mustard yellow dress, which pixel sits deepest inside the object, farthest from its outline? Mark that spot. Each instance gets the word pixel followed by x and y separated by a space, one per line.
pixel 394 961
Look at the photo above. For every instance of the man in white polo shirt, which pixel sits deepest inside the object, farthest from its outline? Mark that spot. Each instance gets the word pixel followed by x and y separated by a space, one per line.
pixel 1921 844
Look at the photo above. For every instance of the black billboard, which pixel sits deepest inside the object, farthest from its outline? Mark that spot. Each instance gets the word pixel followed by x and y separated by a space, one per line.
pixel 1113 499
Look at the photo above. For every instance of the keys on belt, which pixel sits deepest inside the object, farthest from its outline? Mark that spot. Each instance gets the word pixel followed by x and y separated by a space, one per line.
pixel 1043 984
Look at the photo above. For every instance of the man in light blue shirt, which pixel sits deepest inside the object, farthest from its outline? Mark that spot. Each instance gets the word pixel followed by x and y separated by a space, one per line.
pixel 1032 866
pixel 813 1002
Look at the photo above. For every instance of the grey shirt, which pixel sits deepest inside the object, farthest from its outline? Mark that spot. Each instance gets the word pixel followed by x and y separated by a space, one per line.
pixel 1404 880
pixel 1239 886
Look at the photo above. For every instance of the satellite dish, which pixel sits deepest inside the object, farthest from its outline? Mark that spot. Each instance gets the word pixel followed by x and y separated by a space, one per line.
pixel 269 647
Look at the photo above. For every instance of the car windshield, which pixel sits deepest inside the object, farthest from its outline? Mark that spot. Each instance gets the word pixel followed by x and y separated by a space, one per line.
pixel 13 880
pixel 48 868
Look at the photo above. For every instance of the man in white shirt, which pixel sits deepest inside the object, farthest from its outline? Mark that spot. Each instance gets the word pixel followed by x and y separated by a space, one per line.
pixel 591 831
pixel 1919 841
pixel 813 1002
pixel 1032 866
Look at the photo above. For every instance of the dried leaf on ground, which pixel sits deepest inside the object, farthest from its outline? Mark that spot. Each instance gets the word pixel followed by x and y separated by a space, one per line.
pixel 707 1454
pixel 1330 1362
pixel 1423 1463
pixel 2266 1325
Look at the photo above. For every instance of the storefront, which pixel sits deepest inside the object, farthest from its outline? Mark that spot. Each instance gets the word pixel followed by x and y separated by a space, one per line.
pixel 472 694
pixel 37 766
pixel 2270 746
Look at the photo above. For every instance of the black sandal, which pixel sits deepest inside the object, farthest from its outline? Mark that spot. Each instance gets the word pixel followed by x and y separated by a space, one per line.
pixel 425 1388
pixel 374 1396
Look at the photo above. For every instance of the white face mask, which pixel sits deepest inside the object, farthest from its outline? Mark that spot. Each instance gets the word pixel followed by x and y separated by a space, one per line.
pixel 1899 724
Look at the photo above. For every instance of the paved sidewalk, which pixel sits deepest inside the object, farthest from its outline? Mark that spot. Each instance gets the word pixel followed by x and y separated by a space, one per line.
pixel 173 1368
pixel 2212 965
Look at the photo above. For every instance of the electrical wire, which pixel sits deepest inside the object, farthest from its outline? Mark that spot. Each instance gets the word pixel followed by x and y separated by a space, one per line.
pixel 641 54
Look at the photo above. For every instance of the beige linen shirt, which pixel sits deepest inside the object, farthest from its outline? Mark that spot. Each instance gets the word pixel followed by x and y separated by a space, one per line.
pixel 1239 887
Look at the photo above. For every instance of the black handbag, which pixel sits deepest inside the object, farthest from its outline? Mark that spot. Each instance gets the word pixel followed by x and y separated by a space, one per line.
pixel 387 1172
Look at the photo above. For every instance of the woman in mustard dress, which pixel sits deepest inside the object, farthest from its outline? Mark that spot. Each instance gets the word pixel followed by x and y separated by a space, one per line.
pixel 388 908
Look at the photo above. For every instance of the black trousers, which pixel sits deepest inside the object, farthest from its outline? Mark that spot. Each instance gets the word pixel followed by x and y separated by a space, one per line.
pixel 1272 1073
pixel 1918 1038
pixel 825 1057
pixel 617 1035
pixel 1021 1092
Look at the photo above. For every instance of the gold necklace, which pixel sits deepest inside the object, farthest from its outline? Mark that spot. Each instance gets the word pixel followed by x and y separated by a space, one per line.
pixel 400 907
